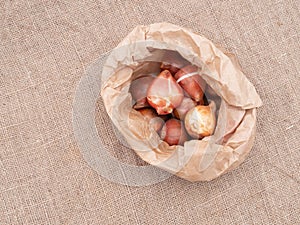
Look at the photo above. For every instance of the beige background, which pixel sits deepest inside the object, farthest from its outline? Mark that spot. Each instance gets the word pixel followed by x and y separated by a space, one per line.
pixel 45 47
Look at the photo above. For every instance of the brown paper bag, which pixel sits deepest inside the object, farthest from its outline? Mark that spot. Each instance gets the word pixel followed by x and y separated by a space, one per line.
pixel 197 160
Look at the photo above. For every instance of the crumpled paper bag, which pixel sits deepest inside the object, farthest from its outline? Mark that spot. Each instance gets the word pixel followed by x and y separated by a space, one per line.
pixel 197 160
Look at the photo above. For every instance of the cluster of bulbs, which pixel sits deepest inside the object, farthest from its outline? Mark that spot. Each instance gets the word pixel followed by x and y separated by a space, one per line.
pixel 174 103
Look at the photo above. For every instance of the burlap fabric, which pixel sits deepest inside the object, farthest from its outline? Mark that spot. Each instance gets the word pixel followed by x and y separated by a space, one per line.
pixel 45 48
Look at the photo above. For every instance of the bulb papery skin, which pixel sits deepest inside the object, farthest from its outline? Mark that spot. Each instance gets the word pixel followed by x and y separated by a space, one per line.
pixel 185 106
pixel 191 81
pixel 173 132
pixel 200 121
pixel 164 94
pixel 154 120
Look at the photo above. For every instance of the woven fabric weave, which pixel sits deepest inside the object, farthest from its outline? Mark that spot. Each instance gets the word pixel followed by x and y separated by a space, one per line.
pixel 45 49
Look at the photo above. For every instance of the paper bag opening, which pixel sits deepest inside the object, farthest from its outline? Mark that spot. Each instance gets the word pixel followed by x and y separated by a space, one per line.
pixel 142 52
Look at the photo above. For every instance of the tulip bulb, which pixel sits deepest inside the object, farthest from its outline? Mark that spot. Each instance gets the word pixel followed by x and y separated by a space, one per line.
pixel 200 121
pixel 164 94
pixel 138 89
pixel 191 82
pixel 173 132
pixel 150 114
pixel 185 106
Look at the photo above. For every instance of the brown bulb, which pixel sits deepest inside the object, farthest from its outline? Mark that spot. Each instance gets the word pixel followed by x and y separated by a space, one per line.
pixel 185 106
pixel 138 89
pixel 173 132
pixel 191 82
pixel 155 121
pixel 164 94
pixel 200 121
